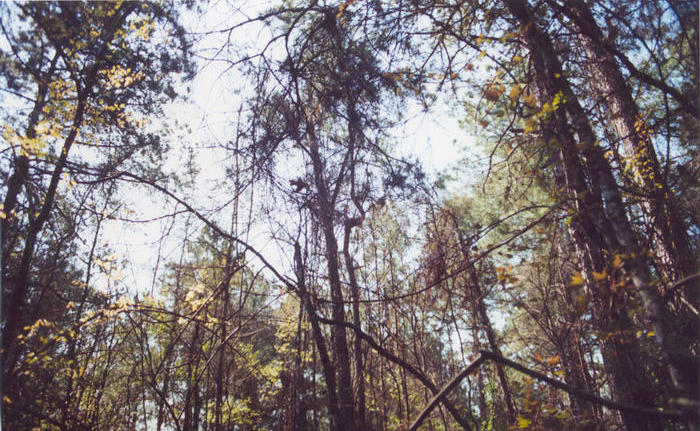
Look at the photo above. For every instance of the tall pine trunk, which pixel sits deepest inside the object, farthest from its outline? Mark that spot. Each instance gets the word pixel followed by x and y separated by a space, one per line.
pixel 672 240
pixel 589 180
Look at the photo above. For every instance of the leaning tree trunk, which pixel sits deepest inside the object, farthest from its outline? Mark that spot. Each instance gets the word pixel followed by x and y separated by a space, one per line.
pixel 657 200
pixel 482 317
pixel 610 225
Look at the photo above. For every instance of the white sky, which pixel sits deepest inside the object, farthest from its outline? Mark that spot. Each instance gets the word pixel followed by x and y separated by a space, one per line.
pixel 435 138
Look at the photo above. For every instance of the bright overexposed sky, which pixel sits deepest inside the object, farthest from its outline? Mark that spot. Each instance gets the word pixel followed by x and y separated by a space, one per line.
pixel 209 114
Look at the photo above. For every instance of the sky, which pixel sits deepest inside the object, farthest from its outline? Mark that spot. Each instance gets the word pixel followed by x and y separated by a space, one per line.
pixel 210 112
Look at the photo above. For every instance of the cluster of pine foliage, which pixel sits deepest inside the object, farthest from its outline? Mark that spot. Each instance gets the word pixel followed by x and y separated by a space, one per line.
pixel 549 281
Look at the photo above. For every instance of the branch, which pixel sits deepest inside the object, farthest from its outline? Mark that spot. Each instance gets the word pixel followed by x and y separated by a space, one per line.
pixel 408 367
pixel 213 226
pixel 490 356
pixel 675 286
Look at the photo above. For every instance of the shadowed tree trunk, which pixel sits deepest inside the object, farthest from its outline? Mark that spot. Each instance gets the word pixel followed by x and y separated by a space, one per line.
pixel 657 200
pixel 610 225
pixel 328 372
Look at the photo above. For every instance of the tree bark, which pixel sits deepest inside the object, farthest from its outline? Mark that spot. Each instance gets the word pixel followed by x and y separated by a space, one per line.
pixel 325 209
pixel 613 90
pixel 328 372
pixel 610 225
pixel 355 289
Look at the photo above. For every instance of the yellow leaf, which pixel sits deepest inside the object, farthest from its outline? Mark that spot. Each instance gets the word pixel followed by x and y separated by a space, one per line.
pixel 618 261
pixel 530 100
pixel 651 334
pixel 530 125
pixel 554 360
pixel 6 399
pixel 515 92
pixel 600 275
pixel 523 423
pixel 576 280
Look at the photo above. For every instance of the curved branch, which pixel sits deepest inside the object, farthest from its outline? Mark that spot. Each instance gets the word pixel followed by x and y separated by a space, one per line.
pixel 490 356
pixel 408 367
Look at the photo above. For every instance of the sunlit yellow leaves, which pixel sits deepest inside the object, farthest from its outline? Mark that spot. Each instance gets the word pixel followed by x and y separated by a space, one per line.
pixel 341 15
pixel 523 422
pixel 558 100
pixel 576 280
pixel 141 29
pixel 505 274
pixel 617 263
pixel 110 267
pixel 515 92
pixel 530 100
pixel 600 276
pixel 508 36
pixel 28 146
pixel 552 360
pixel 120 77
pixel 530 125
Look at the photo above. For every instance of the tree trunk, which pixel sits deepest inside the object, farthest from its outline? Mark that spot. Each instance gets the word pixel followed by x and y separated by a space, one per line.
pixel 604 191
pixel 329 374
pixel 359 375
pixel 325 210
pixel 669 229
pixel 481 317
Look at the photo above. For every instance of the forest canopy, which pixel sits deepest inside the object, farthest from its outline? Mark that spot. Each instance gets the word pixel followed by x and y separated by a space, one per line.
pixel 357 215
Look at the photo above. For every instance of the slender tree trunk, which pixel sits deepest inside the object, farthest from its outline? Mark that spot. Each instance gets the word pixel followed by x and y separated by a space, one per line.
pixel 575 376
pixel 298 418
pixel 218 426
pixel 328 372
pixel 325 209
pixel 192 385
pixel 481 318
pixel 359 375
